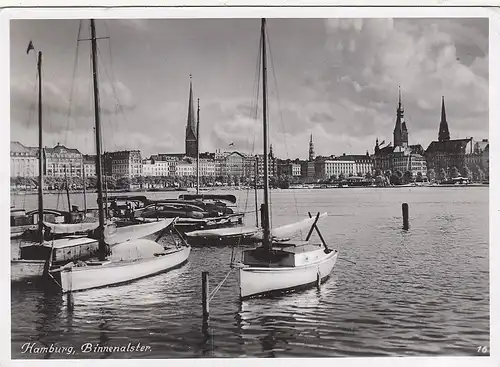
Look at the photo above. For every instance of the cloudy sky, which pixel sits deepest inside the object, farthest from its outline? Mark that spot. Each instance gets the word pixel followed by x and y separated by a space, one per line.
pixel 335 78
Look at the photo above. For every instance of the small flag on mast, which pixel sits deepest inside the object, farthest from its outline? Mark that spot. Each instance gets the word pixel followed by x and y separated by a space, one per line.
pixel 231 145
pixel 30 47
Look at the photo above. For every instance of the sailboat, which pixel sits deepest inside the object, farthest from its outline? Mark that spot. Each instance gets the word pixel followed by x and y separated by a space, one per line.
pixel 277 266
pixel 64 246
pixel 126 253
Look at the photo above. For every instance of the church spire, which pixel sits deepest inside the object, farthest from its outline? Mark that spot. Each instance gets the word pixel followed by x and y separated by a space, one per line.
pixel 398 129
pixel 311 149
pixel 444 133
pixel 191 143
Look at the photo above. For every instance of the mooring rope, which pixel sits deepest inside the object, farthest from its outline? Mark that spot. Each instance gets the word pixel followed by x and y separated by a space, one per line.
pixel 212 294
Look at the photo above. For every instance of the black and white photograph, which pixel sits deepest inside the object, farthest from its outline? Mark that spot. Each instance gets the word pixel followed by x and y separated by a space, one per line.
pixel 249 186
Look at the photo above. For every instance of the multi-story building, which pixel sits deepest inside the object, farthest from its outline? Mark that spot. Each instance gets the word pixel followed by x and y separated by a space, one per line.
pixel 89 162
pixel 23 160
pixel 485 160
pixel 363 164
pixel 61 161
pixel 259 158
pixel 405 160
pixel 206 167
pixel 325 169
pixel 445 153
pixel 125 163
pixel 288 168
pixel 148 168
pixel 185 168
pixel 400 157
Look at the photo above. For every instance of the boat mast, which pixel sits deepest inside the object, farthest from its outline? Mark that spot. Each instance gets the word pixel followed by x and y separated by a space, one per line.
pixel 255 190
pixel 266 243
pixel 98 168
pixel 84 191
pixel 67 187
pixel 198 149
pixel 41 154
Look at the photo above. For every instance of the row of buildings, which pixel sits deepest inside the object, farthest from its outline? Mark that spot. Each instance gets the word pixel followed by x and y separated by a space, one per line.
pixel 61 161
pixel 441 156
pixel 444 154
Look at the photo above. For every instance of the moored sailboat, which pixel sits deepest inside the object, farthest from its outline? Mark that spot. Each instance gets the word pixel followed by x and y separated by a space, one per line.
pixel 126 253
pixel 40 225
pixel 277 266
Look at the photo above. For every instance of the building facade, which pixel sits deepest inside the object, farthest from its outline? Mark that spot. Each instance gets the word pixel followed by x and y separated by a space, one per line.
pixel 288 168
pixel 23 160
pixel 61 161
pixel 445 153
pixel 89 162
pixel 326 169
pixel 125 163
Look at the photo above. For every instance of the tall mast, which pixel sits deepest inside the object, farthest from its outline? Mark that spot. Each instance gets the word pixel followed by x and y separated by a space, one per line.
pixel 41 152
pixel 198 149
pixel 256 169
pixel 265 212
pixel 98 167
pixel 84 190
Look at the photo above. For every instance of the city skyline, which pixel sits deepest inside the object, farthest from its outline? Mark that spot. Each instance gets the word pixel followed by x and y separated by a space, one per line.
pixel 342 88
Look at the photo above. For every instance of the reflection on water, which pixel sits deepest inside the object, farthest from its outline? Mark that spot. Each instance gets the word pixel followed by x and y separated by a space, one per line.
pixel 422 292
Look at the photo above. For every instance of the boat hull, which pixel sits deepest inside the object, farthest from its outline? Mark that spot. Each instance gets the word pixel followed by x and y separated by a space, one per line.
pixel 26 270
pixel 259 281
pixel 118 272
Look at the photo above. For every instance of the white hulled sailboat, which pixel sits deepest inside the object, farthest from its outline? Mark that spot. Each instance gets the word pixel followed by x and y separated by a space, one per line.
pixel 126 253
pixel 277 266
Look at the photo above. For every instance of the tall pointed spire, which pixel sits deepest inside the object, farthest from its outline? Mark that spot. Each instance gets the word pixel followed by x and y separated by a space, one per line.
pixel 191 140
pixel 398 130
pixel 444 133
pixel 311 149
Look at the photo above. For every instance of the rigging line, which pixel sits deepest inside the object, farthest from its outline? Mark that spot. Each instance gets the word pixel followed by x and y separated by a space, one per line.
pixel 255 96
pixel 75 68
pixel 110 120
pixel 281 116
pixel 212 294
pixel 114 90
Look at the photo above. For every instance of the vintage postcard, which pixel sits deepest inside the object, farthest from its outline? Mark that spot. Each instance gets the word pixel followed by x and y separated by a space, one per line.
pixel 244 183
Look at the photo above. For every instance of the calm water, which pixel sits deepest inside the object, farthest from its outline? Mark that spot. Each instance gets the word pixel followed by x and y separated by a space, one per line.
pixel 423 292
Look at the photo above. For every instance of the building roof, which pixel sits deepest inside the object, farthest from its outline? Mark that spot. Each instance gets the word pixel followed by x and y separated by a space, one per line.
pixel 18 148
pixel 89 158
pixel 387 150
pixel 353 157
pixel 61 148
pixel 417 149
pixel 456 146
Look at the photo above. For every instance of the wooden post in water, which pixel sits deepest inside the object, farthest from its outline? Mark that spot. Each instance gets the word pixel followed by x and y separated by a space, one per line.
pixel 70 302
pixel 406 220
pixel 204 294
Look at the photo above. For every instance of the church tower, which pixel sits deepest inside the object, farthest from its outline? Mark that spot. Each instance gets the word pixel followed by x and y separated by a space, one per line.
pixel 444 133
pixel 191 142
pixel 377 147
pixel 400 130
pixel 311 149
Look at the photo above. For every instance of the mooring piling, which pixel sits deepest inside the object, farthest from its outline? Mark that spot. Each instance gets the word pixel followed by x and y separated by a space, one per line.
pixel 70 302
pixel 204 294
pixel 406 220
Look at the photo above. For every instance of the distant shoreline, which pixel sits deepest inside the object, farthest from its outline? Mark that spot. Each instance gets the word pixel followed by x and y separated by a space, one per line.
pixel 57 192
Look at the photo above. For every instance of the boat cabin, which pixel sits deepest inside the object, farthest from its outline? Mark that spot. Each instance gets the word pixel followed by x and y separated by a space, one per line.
pixel 284 254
